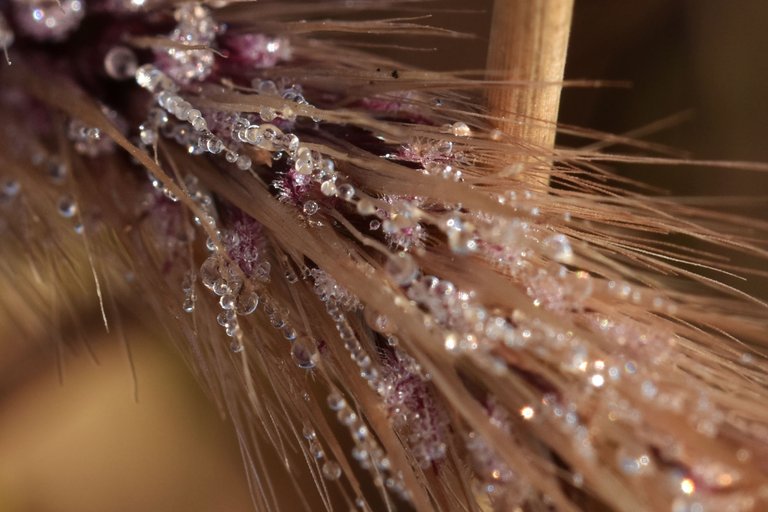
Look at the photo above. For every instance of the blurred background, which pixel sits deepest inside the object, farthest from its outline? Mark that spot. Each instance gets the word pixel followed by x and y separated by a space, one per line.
pixel 76 436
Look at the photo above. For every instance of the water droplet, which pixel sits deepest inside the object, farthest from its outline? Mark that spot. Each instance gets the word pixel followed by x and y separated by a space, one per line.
pixel 463 240
pixel 336 402
pixel 402 268
pixel 310 208
pixel 289 333
pixel 67 207
pixel 291 276
pixel 227 301
pixel 633 462
pixel 558 247
pixel 214 145
pixel 57 172
pixel 365 206
pixel 189 305
pixel 243 162
pixel 220 287
pixel 347 416
pixel 247 303
pixel 377 322
pixel 328 188
pixel 120 63
pixel 304 162
pixel 331 470
pixel 316 450
pixel 461 129
pixel 223 319
pixel 581 286
pixel 11 188
pixel 451 341
pixel 147 135
pixel 209 272
pixel 346 191
pixel 304 352
pixel 309 433
pixel 232 330
pixel 649 389
pixel 444 147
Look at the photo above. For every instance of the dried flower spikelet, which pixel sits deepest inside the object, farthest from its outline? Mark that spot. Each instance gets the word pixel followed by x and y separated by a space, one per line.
pixel 364 274
pixel 413 410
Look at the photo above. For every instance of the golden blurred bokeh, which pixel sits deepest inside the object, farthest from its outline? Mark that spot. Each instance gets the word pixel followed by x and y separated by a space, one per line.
pixel 83 443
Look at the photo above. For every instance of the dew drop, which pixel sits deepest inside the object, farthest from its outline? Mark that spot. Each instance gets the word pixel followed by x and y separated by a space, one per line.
pixel 304 353
pixel 402 268
pixel 214 145
pixel 633 462
pixel 346 191
pixel 243 162
pixel 227 301
pixel 365 206
pixel 189 305
pixel 316 450
pixel 247 303
pixel 289 333
pixel 148 77
pixel 220 287
pixel 309 433
pixel 310 208
pixel 377 322
pixel 558 247
pixel 11 188
pixel 347 416
pixel 335 402
pixel 461 129
pixel 222 319
pixel 328 188
pixel 209 271
pixel 120 63
pixel 582 286
pixel 67 207
pixel 331 470
pixel 147 135
pixel 56 172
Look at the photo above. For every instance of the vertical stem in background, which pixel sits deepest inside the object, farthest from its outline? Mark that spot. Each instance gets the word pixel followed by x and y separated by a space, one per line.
pixel 528 43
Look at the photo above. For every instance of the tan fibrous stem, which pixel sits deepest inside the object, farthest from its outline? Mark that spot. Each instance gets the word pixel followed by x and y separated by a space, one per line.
pixel 528 43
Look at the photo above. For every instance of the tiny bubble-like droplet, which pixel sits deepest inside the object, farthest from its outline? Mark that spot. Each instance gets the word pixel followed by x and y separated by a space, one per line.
pixel 120 63
pixel 558 247
pixel 310 208
pixel 335 402
pixel 67 207
pixel 304 353
pixel 331 470
pixel 402 268
pixel 247 303
pixel 11 188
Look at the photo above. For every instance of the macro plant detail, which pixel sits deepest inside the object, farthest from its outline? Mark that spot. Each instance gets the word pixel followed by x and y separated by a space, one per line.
pixel 388 278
